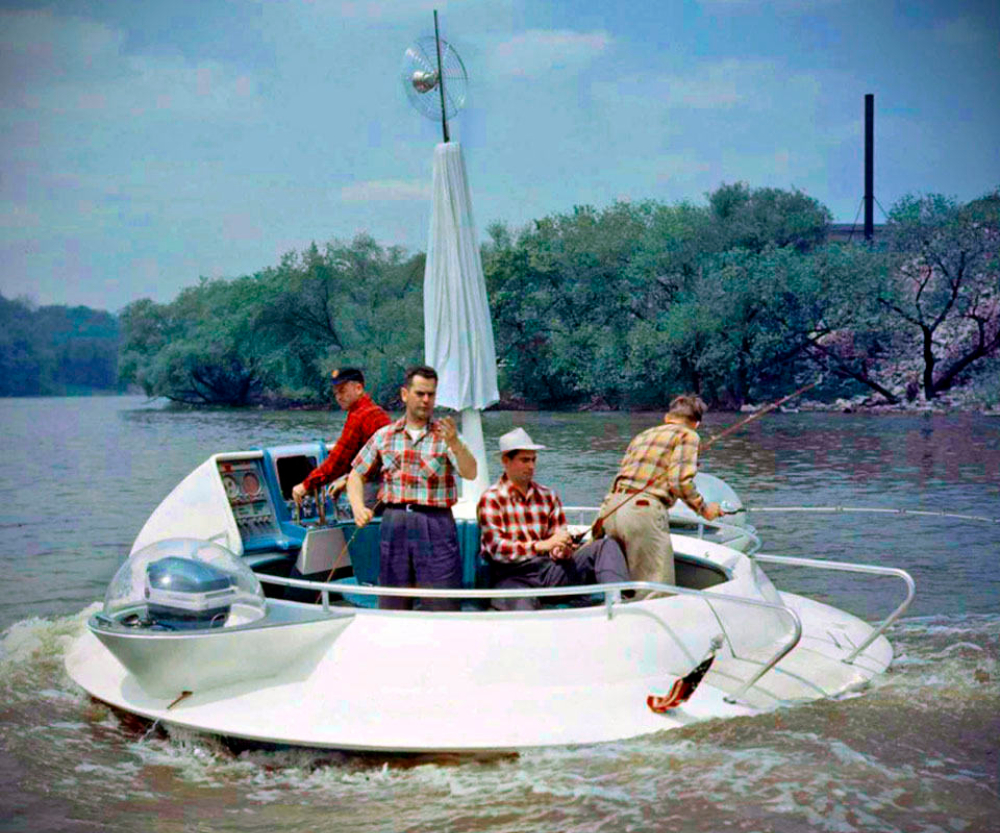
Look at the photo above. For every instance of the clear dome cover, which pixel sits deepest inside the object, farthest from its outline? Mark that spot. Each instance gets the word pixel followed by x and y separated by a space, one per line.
pixel 713 490
pixel 184 583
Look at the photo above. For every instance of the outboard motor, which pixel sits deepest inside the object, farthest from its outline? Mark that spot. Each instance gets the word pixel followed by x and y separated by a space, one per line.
pixel 181 584
pixel 185 594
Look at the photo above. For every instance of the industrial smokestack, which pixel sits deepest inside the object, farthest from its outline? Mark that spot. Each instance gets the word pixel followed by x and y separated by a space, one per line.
pixel 869 166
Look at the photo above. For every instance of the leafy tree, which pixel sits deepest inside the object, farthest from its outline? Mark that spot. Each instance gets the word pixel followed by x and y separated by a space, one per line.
pixel 623 305
pixel 754 219
pixel 206 347
pixel 352 304
pixel 949 283
pixel 276 335
pixel 746 325
pixel 54 350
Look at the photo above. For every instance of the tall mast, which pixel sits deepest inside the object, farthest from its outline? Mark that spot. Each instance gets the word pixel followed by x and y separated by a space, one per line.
pixel 437 43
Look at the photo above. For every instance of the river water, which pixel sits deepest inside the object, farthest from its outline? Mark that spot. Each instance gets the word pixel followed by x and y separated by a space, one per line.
pixel 918 751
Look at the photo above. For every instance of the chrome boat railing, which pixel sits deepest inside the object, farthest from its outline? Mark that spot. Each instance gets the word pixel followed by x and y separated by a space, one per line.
pixel 612 603
pixel 847 567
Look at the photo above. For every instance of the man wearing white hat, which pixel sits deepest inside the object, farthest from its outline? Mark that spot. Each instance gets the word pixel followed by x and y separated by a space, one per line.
pixel 524 534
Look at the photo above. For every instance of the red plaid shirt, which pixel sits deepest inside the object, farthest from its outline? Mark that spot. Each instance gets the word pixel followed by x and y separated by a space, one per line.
pixel 510 522
pixel 420 471
pixel 364 418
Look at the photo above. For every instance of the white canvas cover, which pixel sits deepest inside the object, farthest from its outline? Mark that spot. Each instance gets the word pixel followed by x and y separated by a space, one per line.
pixel 458 332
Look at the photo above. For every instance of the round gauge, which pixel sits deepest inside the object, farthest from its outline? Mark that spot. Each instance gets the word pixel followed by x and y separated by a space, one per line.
pixel 251 484
pixel 232 489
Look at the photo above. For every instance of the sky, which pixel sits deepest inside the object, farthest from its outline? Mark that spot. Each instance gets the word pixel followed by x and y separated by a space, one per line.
pixel 149 143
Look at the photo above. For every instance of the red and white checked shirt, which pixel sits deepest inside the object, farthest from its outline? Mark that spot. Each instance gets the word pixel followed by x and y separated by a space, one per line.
pixel 364 418
pixel 422 471
pixel 509 521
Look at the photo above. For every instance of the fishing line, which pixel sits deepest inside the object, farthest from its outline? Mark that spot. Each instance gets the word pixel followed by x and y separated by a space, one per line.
pixel 598 523
pixel 344 550
pixel 873 510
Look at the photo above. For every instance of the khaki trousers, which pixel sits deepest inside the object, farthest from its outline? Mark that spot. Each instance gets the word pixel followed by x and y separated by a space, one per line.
pixel 641 528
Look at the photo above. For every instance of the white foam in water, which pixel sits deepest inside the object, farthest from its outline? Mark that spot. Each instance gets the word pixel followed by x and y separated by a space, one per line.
pixel 825 779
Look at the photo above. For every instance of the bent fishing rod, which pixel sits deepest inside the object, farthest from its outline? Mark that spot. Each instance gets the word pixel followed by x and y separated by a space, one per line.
pixel 597 525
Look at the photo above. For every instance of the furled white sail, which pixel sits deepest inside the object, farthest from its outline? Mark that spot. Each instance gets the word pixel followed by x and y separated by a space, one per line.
pixel 458 332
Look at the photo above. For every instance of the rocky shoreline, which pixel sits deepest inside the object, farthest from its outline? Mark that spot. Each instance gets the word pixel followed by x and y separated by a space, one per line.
pixel 959 404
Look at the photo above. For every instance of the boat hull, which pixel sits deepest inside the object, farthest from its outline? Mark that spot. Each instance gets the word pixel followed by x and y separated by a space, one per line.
pixel 482 681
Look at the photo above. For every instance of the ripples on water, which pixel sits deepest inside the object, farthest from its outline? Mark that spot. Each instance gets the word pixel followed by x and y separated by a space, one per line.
pixel 917 752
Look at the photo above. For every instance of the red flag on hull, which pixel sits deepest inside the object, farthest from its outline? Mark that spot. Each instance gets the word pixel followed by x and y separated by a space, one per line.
pixel 682 689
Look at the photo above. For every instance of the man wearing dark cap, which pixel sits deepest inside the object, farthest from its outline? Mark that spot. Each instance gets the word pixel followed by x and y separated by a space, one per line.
pixel 364 418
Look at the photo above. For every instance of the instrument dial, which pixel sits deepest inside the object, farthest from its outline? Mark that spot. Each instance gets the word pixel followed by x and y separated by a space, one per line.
pixel 232 488
pixel 251 484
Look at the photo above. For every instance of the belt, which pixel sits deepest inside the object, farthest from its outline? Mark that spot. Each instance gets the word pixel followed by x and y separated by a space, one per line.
pixel 627 490
pixel 417 507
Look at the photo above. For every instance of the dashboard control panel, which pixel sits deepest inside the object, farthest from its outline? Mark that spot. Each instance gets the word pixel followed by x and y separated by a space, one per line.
pixel 248 498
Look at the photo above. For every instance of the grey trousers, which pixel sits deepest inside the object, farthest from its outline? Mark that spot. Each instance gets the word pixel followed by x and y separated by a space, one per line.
pixel 598 562
pixel 419 549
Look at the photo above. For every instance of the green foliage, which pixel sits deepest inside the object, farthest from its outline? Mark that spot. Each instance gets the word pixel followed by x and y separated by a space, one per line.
pixel 948 297
pixel 56 350
pixel 628 305
pixel 754 219
pixel 276 335
pixel 739 299
pixel 206 347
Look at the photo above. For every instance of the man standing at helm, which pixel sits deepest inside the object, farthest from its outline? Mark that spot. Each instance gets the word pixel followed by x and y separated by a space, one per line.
pixel 657 470
pixel 364 418
pixel 419 460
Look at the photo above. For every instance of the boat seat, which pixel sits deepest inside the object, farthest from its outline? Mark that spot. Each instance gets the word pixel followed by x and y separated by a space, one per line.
pixel 363 548
pixel 364 551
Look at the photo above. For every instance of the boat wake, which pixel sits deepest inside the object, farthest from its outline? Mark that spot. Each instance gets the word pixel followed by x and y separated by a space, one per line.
pixel 915 753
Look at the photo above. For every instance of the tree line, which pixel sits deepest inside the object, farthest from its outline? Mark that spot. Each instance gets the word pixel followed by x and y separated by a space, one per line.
pixel 56 350
pixel 737 299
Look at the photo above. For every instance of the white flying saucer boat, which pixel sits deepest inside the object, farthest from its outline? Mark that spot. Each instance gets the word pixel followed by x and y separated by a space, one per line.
pixel 196 632
pixel 203 628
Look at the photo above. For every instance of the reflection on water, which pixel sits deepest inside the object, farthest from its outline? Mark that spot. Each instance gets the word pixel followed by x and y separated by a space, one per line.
pixel 78 477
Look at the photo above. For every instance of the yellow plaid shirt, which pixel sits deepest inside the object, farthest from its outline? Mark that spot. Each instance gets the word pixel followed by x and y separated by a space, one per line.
pixel 667 456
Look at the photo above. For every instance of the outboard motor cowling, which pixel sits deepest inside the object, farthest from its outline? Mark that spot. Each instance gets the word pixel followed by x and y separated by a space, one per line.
pixel 186 584
pixel 186 594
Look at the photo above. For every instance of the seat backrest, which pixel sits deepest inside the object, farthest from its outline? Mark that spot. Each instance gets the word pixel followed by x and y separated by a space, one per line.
pixel 364 550
pixel 321 549
pixel 474 568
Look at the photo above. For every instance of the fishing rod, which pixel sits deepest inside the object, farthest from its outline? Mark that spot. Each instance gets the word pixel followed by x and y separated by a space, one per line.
pixel 758 414
pixel 597 525
pixel 874 510
pixel 344 550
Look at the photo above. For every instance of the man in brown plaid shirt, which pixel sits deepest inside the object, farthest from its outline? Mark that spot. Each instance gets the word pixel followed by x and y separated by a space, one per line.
pixel 657 470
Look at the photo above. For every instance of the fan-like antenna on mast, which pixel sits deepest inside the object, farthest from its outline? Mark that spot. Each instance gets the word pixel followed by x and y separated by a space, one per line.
pixel 433 64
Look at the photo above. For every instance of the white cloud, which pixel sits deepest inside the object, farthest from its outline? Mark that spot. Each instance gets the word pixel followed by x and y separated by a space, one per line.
pixel 382 190
pixel 536 52
pixel 69 66
pixel 708 86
